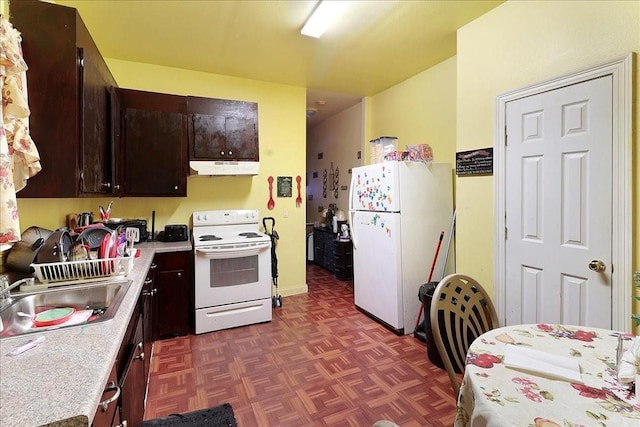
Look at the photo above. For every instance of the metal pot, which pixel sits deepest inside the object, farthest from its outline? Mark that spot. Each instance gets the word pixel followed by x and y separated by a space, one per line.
pixel 85 218
pixel 55 248
pixel 24 252
pixel 32 234
pixel 22 255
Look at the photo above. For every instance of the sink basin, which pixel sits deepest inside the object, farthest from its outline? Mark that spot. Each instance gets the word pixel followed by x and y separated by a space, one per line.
pixel 102 299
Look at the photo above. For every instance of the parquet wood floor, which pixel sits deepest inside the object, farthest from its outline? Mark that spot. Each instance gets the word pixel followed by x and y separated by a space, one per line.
pixel 319 362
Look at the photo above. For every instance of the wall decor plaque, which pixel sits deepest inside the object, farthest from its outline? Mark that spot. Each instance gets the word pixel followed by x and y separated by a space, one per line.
pixel 284 186
pixel 475 162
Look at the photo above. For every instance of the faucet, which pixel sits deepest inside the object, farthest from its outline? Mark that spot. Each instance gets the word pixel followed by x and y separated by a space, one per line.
pixel 6 288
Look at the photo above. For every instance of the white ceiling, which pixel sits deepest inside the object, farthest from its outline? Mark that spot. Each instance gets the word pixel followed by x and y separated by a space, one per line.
pixel 373 46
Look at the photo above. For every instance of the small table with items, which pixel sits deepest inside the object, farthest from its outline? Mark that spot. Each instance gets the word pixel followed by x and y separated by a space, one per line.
pixel 495 395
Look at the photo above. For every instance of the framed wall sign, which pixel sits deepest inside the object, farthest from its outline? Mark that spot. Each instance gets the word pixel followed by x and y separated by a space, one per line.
pixel 475 162
pixel 284 186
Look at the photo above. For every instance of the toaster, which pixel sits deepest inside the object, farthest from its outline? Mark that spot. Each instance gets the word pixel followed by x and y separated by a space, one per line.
pixel 174 233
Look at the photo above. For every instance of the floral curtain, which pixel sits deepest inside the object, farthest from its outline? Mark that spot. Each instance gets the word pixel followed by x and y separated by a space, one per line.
pixel 19 158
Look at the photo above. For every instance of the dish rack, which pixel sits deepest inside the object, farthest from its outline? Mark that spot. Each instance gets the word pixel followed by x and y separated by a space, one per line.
pixel 74 271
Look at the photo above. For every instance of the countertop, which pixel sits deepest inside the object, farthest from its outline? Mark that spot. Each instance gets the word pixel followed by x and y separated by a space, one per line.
pixel 60 382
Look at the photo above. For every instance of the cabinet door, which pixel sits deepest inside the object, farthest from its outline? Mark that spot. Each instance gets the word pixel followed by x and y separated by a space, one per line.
pixel 173 304
pixel 67 83
pixel 221 129
pixel 133 384
pixel 94 116
pixel 318 247
pixel 49 49
pixel 153 144
pixel 108 403
pixel 148 306
pixel 173 300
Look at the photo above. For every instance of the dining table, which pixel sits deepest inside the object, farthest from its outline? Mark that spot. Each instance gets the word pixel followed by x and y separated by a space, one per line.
pixel 494 394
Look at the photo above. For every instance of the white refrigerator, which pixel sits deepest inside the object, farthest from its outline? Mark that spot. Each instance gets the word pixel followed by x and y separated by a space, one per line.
pixel 397 211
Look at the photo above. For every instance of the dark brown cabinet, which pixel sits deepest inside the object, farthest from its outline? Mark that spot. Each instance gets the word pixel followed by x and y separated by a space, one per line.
pixel 151 144
pixel 128 375
pixel 173 298
pixel 323 244
pixel 148 316
pixel 68 84
pixel 108 406
pixel 133 383
pixel 221 129
pixel 343 260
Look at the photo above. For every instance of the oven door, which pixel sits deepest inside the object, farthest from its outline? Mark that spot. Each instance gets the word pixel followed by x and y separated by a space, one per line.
pixel 232 275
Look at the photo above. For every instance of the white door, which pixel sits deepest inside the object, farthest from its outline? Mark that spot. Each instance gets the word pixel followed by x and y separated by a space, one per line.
pixel 377 275
pixel 559 206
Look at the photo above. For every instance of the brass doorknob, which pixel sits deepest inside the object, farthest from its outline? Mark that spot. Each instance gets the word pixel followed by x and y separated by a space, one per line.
pixel 597 265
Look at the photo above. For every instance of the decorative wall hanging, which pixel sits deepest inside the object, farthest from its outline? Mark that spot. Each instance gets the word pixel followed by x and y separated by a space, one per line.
pixel 336 183
pixel 332 175
pixel 284 186
pixel 324 184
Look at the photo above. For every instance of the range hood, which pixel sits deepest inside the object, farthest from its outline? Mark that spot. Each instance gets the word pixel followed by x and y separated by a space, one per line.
pixel 222 167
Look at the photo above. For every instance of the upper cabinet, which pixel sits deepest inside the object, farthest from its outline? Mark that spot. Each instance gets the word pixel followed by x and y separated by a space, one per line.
pixel 68 84
pixel 151 144
pixel 221 129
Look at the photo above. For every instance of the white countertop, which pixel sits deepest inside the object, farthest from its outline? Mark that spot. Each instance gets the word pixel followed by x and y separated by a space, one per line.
pixel 61 381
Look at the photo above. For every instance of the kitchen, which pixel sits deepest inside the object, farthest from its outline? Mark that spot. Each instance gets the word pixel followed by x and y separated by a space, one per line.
pixel 280 144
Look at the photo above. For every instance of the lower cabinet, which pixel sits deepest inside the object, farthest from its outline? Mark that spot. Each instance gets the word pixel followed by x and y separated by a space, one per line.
pixel 172 300
pixel 162 311
pixel 343 260
pixel 125 390
pixel 108 406
pixel 323 242
pixel 133 384
pixel 148 316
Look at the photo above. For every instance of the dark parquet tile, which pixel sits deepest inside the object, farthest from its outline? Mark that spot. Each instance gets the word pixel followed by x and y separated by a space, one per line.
pixel 320 362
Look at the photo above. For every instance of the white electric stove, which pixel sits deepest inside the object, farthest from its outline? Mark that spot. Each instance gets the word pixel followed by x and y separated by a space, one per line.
pixel 232 270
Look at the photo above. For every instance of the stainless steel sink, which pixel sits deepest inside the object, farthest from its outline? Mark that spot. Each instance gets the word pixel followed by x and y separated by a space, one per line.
pixel 102 298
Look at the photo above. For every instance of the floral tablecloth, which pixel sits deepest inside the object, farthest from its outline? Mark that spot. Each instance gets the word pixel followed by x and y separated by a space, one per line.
pixel 494 395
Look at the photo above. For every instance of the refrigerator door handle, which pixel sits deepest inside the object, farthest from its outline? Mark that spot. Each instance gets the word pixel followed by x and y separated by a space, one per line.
pixel 354 240
pixel 351 214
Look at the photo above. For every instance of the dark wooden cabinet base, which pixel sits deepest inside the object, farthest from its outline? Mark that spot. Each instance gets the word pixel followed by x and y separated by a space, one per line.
pixel 343 260
pixel 334 255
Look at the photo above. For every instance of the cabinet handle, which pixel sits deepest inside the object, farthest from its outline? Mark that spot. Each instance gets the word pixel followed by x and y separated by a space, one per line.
pixel 230 153
pixel 179 274
pixel 140 356
pixel 222 153
pixel 124 423
pixel 153 266
pixel 106 185
pixel 140 345
pixel 111 386
pixel 147 294
pixel 147 281
pixel 116 187
pixel 175 187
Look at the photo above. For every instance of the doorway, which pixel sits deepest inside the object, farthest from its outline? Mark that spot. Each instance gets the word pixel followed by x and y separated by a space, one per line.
pixel 547 193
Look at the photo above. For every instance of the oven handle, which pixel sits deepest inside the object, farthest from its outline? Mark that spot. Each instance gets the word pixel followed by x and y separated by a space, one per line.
pixel 233 252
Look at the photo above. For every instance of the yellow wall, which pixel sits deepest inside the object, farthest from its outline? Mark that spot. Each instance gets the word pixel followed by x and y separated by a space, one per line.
pixel 339 138
pixel 517 44
pixel 420 110
pixel 282 122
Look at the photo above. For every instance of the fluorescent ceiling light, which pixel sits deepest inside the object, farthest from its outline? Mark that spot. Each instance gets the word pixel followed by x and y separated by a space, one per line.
pixel 327 12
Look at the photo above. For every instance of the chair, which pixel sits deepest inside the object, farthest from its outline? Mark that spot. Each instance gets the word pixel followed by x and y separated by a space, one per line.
pixel 461 310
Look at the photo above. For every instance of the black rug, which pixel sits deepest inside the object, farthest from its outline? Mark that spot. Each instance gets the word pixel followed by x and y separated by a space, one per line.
pixel 218 416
